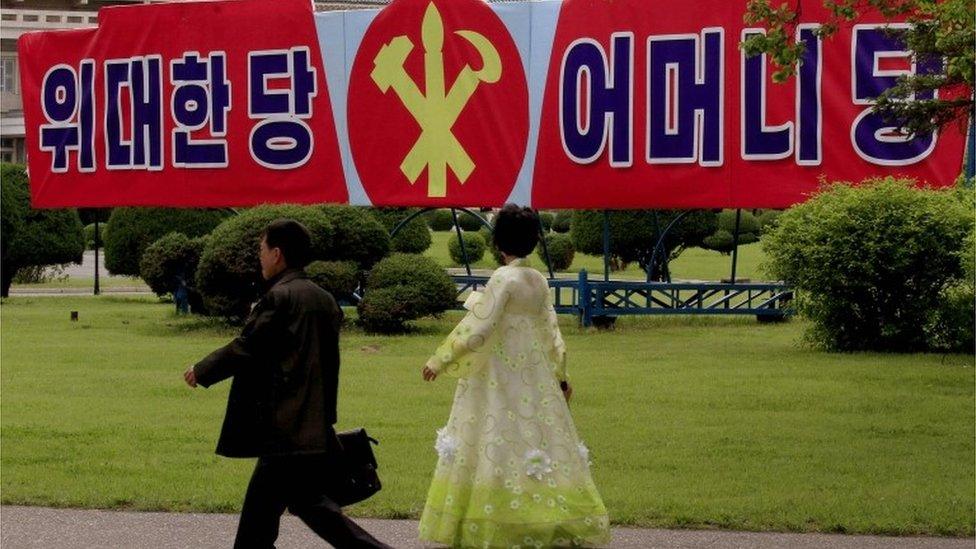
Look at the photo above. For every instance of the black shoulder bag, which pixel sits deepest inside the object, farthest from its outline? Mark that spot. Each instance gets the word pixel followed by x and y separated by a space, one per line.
pixel 357 480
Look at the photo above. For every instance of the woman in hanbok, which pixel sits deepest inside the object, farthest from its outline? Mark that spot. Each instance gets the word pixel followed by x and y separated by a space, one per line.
pixel 512 471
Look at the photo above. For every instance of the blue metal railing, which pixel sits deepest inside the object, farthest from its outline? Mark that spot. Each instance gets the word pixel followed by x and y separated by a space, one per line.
pixel 591 299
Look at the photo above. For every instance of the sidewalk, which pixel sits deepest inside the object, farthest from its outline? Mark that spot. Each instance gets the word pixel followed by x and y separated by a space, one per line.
pixel 41 527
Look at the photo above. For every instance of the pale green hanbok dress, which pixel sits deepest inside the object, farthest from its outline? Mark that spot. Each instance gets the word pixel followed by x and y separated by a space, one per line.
pixel 512 471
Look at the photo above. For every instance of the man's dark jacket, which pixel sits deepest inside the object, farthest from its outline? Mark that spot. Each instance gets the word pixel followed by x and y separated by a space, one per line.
pixel 285 366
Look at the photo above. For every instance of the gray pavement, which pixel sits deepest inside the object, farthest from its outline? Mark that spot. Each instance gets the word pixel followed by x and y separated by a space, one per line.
pixel 41 527
pixel 87 267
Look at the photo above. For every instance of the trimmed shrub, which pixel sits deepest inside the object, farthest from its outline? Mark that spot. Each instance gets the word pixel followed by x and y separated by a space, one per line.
pixel 474 245
pixel 90 236
pixel 469 222
pixel 229 274
pixel 722 239
pixel 171 258
pixel 486 233
pixel 561 251
pixel 404 287
pixel 633 233
pixel 440 220
pixel 131 230
pixel 871 263
pixel 29 237
pixel 339 278
pixel 767 220
pixel 413 238
pixel 357 235
pixel 562 221
pixel 547 219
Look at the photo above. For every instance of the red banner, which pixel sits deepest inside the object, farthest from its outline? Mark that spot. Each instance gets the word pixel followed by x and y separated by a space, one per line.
pixel 575 104
pixel 183 104
pixel 705 126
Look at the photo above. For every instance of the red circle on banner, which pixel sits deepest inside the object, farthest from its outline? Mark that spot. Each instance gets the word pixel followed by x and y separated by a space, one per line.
pixel 462 141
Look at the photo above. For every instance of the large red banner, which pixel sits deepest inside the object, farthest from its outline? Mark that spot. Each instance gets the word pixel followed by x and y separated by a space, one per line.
pixel 188 104
pixel 575 104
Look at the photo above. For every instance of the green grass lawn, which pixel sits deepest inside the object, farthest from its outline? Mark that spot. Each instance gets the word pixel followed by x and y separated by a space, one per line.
pixel 692 422
pixel 692 264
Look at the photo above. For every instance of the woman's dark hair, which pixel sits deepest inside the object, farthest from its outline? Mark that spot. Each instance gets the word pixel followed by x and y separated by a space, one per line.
pixel 292 238
pixel 516 230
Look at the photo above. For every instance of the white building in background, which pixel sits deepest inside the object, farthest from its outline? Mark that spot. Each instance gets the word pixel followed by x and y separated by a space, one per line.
pixel 20 16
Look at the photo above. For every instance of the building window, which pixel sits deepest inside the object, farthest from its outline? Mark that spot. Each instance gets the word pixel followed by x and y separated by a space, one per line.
pixel 8 151
pixel 8 74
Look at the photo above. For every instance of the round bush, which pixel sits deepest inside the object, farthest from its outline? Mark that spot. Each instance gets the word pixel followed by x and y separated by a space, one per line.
pixel 561 251
pixel 412 238
pixel 229 274
pixel 90 236
pixel 469 222
pixel 486 233
pixel 131 230
pixel 474 245
pixel 171 257
pixel 870 263
pixel 404 287
pixel 562 221
pixel 547 219
pixel 747 222
pixel 357 235
pixel 339 278
pixel 722 240
pixel 440 220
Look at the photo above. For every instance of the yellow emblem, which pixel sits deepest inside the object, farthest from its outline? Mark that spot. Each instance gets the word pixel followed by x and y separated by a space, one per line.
pixel 437 148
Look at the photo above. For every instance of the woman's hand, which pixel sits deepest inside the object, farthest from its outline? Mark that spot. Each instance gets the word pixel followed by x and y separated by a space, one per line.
pixel 429 375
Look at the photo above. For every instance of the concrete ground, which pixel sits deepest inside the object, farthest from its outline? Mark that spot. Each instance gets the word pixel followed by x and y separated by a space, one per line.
pixel 40 527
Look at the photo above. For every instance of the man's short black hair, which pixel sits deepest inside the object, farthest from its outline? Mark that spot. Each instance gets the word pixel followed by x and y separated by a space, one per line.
pixel 292 238
pixel 516 230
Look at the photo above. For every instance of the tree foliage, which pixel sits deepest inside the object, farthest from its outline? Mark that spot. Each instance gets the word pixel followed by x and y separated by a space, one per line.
pixel 31 237
pixel 130 231
pixel 633 233
pixel 942 29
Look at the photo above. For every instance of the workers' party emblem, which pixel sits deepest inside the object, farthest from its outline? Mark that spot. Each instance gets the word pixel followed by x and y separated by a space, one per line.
pixel 449 96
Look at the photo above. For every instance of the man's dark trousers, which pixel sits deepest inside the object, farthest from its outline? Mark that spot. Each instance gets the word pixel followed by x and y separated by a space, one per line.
pixel 299 484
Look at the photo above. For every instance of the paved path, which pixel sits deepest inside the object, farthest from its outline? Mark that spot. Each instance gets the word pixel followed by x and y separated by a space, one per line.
pixel 40 527
pixel 87 267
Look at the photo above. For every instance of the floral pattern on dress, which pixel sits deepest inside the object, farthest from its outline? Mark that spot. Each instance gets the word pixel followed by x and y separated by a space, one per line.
pixel 509 458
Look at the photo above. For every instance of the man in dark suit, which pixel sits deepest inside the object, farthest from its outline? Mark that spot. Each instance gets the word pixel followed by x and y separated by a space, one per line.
pixel 282 403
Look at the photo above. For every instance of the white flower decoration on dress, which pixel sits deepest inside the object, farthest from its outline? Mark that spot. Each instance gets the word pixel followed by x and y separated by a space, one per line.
pixel 537 464
pixel 446 445
pixel 584 453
